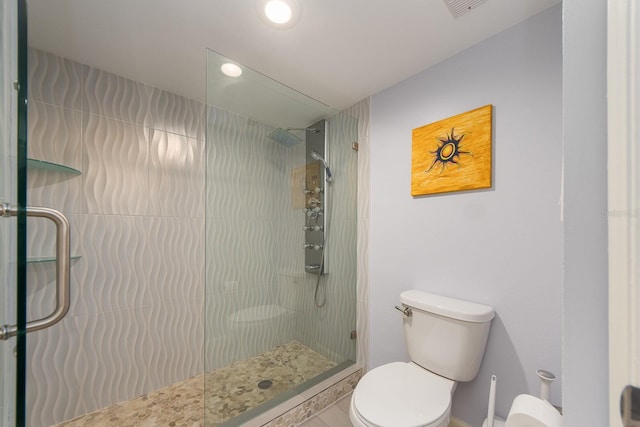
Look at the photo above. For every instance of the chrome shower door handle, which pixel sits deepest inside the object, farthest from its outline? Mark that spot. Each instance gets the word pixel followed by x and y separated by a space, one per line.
pixel 63 258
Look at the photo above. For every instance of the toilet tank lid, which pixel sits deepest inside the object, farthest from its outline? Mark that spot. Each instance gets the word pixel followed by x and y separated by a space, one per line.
pixel 448 307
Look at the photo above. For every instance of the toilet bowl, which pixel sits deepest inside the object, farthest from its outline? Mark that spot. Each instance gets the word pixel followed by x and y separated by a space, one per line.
pixel 445 339
pixel 401 394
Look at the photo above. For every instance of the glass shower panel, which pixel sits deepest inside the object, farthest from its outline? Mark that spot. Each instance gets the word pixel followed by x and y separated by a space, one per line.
pixel 7 226
pixel 266 336
pixel 12 193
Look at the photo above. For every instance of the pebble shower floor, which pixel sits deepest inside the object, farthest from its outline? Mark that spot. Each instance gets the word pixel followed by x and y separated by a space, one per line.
pixel 229 392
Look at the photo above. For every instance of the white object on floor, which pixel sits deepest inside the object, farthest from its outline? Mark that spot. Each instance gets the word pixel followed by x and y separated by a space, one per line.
pixel 530 411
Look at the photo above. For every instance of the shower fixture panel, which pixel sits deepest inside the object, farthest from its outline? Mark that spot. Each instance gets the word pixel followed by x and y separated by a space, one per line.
pixel 318 176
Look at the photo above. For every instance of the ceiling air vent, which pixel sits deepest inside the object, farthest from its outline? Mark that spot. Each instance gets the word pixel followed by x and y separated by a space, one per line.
pixel 460 7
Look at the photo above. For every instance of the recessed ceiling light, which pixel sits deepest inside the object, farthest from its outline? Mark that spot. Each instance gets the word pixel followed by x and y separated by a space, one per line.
pixel 278 11
pixel 230 69
pixel 281 14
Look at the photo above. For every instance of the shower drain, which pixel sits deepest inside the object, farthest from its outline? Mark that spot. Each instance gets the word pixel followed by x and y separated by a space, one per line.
pixel 265 384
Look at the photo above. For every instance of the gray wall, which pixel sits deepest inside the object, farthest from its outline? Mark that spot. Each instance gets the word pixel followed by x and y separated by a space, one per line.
pixel 501 247
pixel 585 358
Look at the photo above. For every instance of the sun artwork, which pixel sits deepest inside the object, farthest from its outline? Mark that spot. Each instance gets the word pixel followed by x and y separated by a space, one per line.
pixel 453 154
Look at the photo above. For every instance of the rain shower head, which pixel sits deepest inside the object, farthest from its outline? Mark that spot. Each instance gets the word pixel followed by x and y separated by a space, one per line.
pixel 327 171
pixel 285 138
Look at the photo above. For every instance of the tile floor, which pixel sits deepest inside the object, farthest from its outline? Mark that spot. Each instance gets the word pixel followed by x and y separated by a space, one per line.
pixel 336 415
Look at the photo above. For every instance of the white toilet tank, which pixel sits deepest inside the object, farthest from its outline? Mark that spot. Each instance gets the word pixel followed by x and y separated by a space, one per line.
pixel 445 335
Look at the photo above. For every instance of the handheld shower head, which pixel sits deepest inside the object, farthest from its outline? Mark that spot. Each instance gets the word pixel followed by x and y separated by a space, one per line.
pixel 327 171
pixel 316 156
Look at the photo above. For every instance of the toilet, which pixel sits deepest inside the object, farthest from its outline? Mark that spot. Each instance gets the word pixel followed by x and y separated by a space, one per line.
pixel 445 339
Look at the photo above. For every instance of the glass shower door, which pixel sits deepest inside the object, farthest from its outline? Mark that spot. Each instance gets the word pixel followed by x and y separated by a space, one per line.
pixel 280 274
pixel 12 193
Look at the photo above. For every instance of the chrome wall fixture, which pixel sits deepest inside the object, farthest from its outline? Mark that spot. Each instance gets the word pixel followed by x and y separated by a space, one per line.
pixel 62 268
pixel 316 190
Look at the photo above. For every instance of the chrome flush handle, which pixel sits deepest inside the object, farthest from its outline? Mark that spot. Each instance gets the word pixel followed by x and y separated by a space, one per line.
pixel 406 310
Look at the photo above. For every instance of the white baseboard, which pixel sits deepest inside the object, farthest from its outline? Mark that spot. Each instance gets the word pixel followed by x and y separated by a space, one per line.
pixel 454 422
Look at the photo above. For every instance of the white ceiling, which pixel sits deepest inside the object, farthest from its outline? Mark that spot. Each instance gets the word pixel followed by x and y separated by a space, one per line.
pixel 340 51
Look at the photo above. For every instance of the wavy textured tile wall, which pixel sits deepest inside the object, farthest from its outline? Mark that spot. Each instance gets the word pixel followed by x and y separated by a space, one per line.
pixel 360 111
pixel 114 97
pixel 244 179
pixel 259 243
pixel 54 80
pixel 115 166
pixel 139 218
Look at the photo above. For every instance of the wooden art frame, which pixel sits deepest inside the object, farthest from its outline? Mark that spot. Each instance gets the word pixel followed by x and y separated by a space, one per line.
pixel 453 154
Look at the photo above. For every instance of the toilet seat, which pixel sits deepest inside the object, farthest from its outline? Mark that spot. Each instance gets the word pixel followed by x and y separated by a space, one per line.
pixel 402 394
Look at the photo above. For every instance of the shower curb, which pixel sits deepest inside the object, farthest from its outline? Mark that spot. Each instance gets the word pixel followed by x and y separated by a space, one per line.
pixel 310 402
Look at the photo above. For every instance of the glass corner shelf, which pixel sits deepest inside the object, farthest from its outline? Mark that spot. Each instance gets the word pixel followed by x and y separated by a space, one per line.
pixel 41 259
pixel 54 167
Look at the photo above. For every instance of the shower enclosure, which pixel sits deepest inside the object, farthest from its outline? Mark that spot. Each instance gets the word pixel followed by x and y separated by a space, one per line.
pixel 281 189
pixel 207 247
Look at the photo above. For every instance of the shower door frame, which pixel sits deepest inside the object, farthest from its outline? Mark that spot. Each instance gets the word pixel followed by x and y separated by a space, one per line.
pixel 14 39
pixel 623 41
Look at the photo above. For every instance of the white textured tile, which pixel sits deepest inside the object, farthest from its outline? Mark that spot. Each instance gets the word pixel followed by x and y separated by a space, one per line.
pixel 115 167
pixel 362 321
pixel 174 337
pixel 176 176
pixel 115 97
pixel 361 111
pixel 54 80
pixel 116 354
pixel 41 276
pixel 56 371
pixel 55 134
pixel 176 114
pixel 343 161
pixel 175 249
pixel 41 289
pixel 116 260
pixel 55 190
